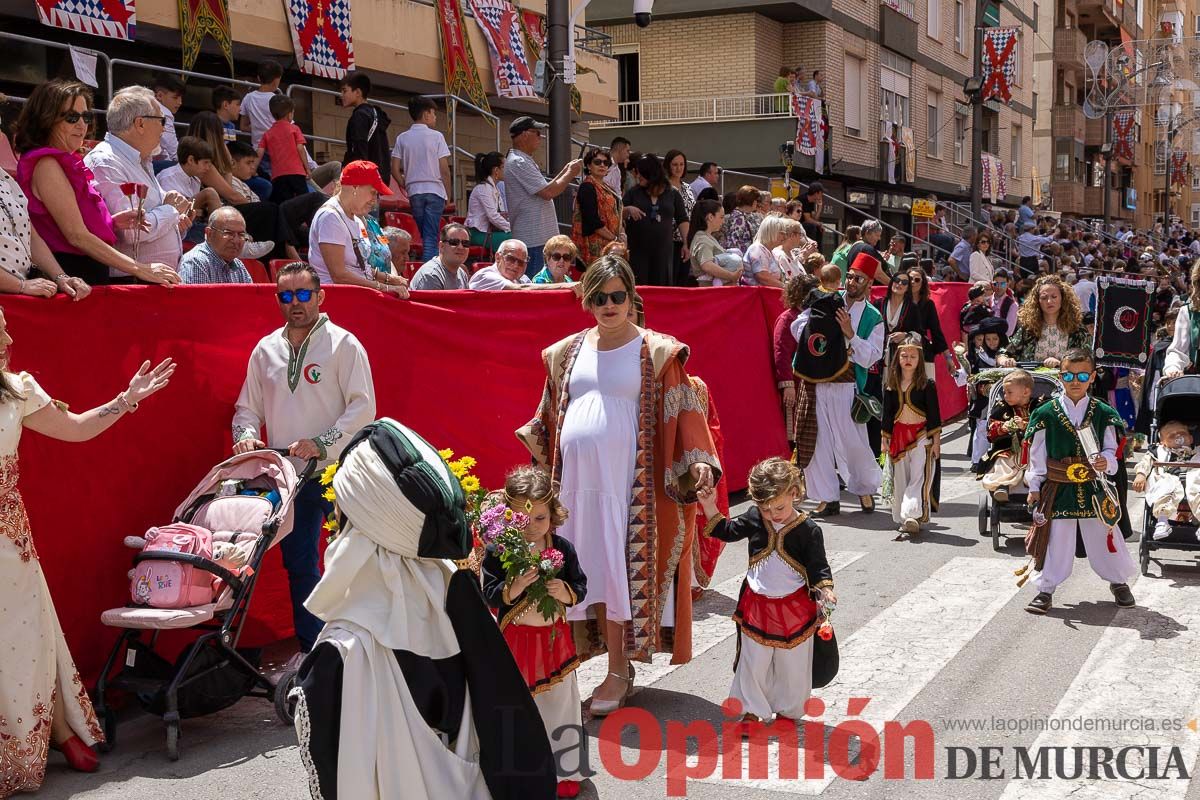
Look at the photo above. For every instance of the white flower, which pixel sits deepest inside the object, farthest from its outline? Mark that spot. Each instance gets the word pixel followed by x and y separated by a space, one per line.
pixel 546 565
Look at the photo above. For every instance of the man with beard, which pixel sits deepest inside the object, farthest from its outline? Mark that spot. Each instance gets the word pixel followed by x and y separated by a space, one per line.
pixel 829 442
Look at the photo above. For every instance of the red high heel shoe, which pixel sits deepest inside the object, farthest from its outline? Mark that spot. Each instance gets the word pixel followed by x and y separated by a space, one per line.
pixel 79 756
pixel 568 788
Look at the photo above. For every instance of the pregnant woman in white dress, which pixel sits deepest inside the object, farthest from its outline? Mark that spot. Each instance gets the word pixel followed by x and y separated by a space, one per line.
pixel 42 700
pixel 622 430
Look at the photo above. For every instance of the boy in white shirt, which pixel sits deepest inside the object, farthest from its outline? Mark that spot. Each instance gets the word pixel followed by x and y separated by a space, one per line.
pixel 256 106
pixel 195 160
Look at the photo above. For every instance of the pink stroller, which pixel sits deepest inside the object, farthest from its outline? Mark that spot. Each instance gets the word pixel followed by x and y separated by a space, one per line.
pixel 246 505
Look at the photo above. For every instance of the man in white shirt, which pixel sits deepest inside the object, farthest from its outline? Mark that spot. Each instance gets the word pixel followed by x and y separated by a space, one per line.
pixel 135 128
pixel 310 385
pixel 421 164
pixel 707 178
pixel 168 92
pixel 508 272
pixel 1085 290
pixel 619 152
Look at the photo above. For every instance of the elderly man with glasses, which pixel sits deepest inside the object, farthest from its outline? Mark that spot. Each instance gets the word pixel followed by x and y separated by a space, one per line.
pixel 124 173
pixel 216 260
pixel 508 272
pixel 530 196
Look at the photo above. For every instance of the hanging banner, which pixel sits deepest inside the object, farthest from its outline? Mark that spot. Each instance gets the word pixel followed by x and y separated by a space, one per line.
pixel 502 29
pixel 995 183
pixel 533 28
pixel 808 123
pixel 1179 167
pixel 114 19
pixel 999 63
pixel 459 74
pixel 321 36
pixel 200 18
pixel 1123 122
pixel 1123 329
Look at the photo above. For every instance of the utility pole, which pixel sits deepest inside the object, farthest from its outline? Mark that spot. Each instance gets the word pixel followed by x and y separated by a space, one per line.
pixel 1108 156
pixel 558 24
pixel 1166 222
pixel 977 117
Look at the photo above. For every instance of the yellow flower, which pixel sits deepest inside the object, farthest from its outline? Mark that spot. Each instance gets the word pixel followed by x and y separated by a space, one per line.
pixel 331 525
pixel 446 454
pixel 328 473
pixel 467 462
pixel 458 469
pixel 329 495
pixel 470 484
pixel 508 514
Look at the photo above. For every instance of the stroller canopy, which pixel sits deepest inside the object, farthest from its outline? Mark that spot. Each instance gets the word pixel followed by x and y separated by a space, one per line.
pixel 1179 399
pixel 247 466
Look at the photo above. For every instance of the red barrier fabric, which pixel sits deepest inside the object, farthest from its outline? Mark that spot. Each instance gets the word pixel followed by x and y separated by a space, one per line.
pixel 462 368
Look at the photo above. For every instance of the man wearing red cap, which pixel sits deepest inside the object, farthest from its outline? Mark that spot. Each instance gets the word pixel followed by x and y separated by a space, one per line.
pixel 829 442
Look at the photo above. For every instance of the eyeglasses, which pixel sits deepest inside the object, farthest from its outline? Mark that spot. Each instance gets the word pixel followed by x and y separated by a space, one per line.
pixel 558 256
pixel 902 281
pixel 511 259
pixel 600 299
pixel 161 119
pixel 1071 377
pixel 457 242
pixel 287 296
pixel 230 234
pixel 72 117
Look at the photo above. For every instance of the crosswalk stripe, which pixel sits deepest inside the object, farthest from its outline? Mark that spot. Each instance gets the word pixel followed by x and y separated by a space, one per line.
pixel 708 631
pixel 896 654
pixel 1143 668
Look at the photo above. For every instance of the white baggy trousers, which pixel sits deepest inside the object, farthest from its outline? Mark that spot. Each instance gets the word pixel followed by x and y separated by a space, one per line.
pixel 842 448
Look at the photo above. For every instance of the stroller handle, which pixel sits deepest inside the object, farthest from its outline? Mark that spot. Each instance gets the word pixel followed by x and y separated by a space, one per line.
pixel 310 466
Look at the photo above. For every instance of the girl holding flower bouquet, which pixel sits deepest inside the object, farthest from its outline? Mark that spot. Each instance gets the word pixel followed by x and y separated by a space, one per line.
pixel 786 598
pixel 531 576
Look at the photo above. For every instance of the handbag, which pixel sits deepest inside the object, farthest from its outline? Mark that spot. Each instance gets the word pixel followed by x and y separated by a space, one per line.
pixel 865 408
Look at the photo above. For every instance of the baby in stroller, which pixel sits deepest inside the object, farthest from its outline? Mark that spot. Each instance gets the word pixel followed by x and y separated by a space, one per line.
pixel 1165 486
pixel 1002 469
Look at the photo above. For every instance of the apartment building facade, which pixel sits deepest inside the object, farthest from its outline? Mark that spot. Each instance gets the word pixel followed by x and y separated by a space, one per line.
pixel 700 78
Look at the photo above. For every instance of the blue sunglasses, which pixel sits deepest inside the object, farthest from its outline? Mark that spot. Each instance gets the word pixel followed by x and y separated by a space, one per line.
pixel 303 295
pixel 1071 377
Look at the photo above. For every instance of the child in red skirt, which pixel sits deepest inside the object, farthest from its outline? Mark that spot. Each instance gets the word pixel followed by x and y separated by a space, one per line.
pixel 779 606
pixel 544 649
pixel 912 435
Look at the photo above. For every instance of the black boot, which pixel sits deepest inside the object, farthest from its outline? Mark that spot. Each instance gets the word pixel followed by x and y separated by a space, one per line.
pixel 828 509
pixel 1122 595
pixel 1040 604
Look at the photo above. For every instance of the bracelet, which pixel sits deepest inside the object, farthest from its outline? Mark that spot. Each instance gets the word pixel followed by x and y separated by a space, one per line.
pixel 21 286
pixel 62 277
pixel 126 405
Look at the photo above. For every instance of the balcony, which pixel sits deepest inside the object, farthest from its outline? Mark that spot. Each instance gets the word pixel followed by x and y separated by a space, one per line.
pixel 1093 200
pixel 1068 47
pixel 898 27
pixel 1067 121
pixel 1094 132
pixel 1067 197
pixel 617 12
pixel 1102 13
pixel 675 110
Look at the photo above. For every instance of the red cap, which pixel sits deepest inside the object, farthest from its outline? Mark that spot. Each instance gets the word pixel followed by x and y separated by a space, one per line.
pixel 865 263
pixel 363 173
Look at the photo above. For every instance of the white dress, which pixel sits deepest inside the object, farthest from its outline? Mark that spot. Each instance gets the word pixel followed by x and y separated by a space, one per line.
pixel 599 444
pixel 36 662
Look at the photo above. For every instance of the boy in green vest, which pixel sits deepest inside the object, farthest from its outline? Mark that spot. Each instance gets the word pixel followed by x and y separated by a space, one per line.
pixel 1064 491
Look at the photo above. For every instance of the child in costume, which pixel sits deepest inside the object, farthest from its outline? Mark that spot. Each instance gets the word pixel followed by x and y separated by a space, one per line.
pixel 820 344
pixel 1164 486
pixel 544 649
pixel 779 605
pixel 1007 458
pixel 912 431
pixel 1064 489
pixel 984 341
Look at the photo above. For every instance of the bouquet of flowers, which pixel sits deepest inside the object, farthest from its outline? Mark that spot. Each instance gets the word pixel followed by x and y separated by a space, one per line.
pixel 502 532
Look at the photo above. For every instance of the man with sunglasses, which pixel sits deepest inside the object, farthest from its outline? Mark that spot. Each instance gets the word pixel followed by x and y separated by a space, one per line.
pixel 1064 491
pixel 310 384
pixel 530 196
pixel 445 271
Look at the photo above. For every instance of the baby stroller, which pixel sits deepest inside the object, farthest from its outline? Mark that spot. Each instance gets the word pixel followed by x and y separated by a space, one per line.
pixel 991 513
pixel 246 502
pixel 1178 399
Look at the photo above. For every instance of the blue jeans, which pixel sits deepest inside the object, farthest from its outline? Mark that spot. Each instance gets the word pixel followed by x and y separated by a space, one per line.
pixel 537 260
pixel 427 211
pixel 301 559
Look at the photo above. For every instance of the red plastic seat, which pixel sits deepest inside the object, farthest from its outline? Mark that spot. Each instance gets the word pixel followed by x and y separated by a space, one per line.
pixel 405 222
pixel 411 267
pixel 276 264
pixel 480 265
pixel 396 201
pixel 258 273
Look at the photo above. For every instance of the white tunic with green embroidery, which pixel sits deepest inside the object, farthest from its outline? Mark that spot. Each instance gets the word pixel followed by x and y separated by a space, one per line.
pixel 321 390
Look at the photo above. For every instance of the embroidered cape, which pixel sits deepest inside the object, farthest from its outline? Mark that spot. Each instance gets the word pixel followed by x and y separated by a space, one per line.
pixel 1075 500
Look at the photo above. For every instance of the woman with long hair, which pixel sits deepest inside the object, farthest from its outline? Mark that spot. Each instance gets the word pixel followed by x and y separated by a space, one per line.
pixel 1049 324
pixel 653 211
pixel 710 263
pixel 850 237
pixel 486 212
pixel 596 221
pixel 675 163
pixel 981 259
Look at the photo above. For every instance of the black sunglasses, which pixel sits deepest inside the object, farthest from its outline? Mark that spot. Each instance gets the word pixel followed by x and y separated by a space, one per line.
pixel 287 296
pixel 558 256
pixel 72 117
pixel 600 299
pixel 598 162
pixel 902 281
pixel 457 242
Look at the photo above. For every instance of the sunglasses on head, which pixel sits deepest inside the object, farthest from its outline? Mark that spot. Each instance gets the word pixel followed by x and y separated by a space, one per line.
pixel 72 117
pixel 287 296
pixel 600 299
pixel 1071 377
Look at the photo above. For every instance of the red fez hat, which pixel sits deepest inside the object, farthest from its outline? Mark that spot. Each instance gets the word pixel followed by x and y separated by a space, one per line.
pixel 865 263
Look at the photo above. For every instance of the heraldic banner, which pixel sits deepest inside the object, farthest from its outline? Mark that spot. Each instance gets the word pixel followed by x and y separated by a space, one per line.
pixel 1122 133
pixel 459 74
pixel 115 19
pixel 1123 329
pixel 999 63
pixel 321 36
pixel 1179 167
pixel 501 26
pixel 200 18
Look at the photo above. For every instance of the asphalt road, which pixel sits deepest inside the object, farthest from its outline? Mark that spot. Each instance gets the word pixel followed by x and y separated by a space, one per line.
pixel 931 631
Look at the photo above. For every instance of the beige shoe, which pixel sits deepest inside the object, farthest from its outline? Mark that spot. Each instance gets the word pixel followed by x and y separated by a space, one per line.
pixel 602 708
pixel 910 526
pixel 1000 495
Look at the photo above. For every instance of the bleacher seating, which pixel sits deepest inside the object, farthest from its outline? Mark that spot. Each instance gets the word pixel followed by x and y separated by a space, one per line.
pixel 258 273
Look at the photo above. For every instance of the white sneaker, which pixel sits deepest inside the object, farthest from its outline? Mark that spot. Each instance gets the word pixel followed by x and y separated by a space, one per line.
pixel 257 250
pixel 1162 529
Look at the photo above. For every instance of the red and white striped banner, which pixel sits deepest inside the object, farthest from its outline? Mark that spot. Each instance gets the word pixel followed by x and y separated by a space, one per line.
pixel 115 19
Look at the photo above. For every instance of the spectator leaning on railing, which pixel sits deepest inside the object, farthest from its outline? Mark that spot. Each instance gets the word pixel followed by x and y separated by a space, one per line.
pixel 22 251
pixel 445 272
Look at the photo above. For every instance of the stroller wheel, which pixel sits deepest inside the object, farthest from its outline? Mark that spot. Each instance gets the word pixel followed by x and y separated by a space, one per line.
pixel 173 741
pixel 110 732
pixel 285 709
pixel 984 514
pixel 994 525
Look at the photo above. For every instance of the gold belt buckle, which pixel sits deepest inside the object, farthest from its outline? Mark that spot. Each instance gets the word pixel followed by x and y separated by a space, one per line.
pixel 1077 473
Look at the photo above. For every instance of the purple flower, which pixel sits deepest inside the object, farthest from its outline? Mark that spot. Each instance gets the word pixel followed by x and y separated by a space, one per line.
pixel 493 514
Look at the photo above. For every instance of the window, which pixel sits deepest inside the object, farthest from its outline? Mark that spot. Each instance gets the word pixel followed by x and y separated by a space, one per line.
pixel 960 135
pixel 933 24
pixel 1196 181
pixel 895 80
pixel 960 26
pixel 854 94
pixel 933 145
pixel 1195 214
pixel 629 94
pixel 1064 150
pixel 1015 151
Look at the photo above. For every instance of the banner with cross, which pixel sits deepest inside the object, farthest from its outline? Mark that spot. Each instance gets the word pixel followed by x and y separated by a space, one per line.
pixel 999 63
pixel 502 29
pixel 1123 135
pixel 808 123
pixel 115 19
pixel 321 36
pixel 1179 167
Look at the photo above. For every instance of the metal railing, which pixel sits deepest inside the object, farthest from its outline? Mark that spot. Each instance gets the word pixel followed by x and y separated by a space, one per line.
pixel 905 7
pixel 700 109
pixel 593 41
pixel 100 57
pixel 121 62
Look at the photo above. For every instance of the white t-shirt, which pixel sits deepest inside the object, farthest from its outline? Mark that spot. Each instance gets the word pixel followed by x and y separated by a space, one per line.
pixel 420 150
pixel 174 178
pixel 256 106
pixel 1085 290
pixel 16 238
pixel 331 225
